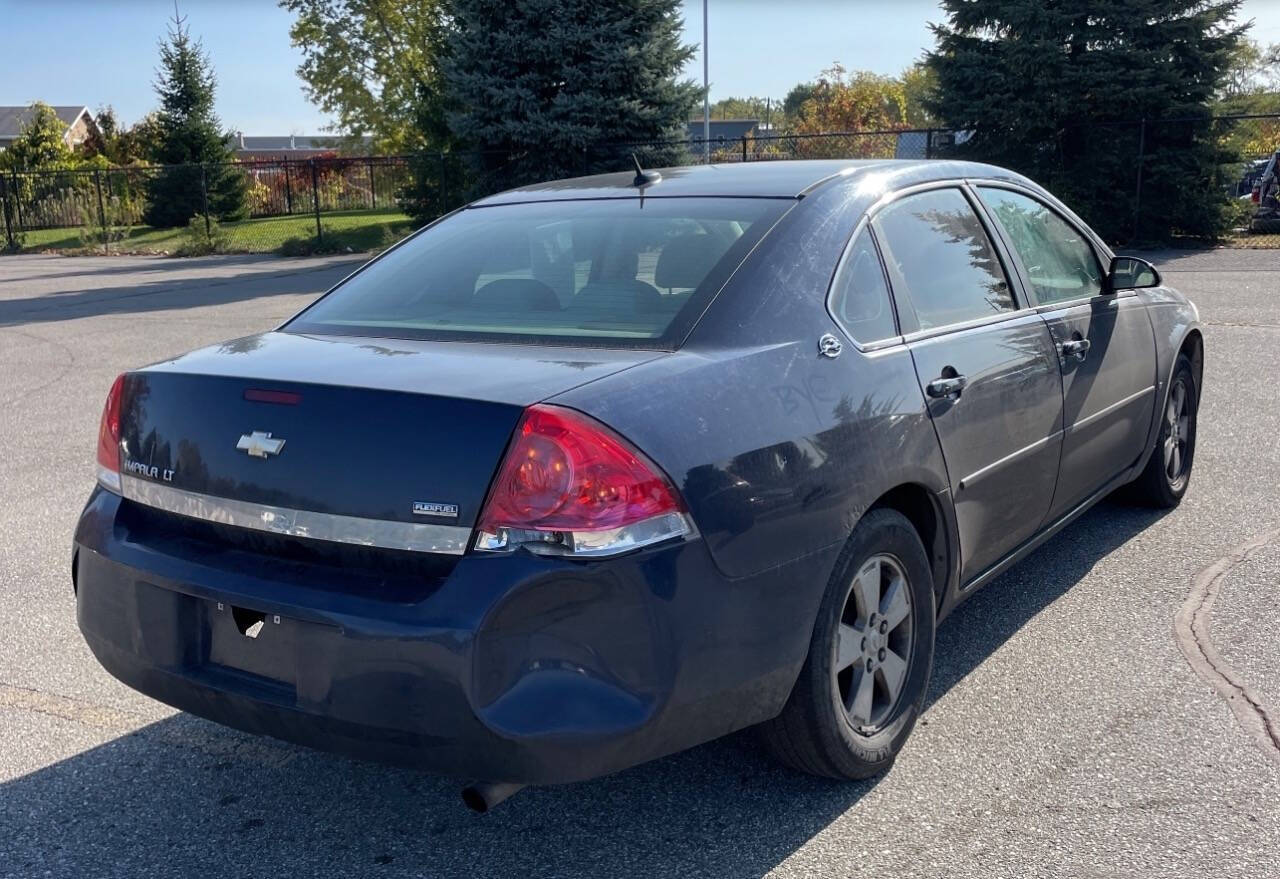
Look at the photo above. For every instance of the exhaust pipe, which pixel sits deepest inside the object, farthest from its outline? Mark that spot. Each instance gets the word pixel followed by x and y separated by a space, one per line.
pixel 485 795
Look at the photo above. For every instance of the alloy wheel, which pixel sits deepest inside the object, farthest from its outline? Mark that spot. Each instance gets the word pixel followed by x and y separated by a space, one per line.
pixel 1177 430
pixel 874 643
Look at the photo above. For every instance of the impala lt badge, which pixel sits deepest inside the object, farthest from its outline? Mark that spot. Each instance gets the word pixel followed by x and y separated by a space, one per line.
pixel 259 444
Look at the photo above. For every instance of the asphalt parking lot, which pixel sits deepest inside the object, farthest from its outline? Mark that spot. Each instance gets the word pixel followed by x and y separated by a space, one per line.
pixel 1067 733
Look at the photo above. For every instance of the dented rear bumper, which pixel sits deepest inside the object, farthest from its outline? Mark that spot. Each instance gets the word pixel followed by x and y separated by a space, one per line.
pixel 504 667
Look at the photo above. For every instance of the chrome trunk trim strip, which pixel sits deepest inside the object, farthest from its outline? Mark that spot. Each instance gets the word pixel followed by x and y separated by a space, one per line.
pixel 411 536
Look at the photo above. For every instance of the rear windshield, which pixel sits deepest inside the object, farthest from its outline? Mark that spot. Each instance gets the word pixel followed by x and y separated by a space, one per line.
pixel 631 272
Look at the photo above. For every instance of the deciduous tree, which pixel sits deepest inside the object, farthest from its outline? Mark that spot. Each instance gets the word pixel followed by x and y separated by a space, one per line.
pixel 40 144
pixel 373 64
pixel 793 103
pixel 860 101
pixel 1254 70
pixel 918 86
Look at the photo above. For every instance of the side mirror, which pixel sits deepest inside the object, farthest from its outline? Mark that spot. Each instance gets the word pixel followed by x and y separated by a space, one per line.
pixel 1131 272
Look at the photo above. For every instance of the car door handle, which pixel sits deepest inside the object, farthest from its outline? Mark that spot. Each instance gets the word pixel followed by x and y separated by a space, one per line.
pixel 1077 348
pixel 946 388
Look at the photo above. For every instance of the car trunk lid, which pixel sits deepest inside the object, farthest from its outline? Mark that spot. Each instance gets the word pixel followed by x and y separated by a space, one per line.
pixel 346 428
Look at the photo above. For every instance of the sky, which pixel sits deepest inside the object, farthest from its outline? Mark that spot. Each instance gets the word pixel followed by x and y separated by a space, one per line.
pixel 97 52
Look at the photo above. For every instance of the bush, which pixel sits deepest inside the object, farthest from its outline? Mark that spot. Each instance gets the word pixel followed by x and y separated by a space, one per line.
pixel 203 236
pixel 1240 212
pixel 94 234
pixel 15 243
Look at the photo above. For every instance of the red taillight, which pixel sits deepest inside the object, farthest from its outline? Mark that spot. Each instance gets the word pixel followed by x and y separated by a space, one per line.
pixel 569 482
pixel 1256 195
pixel 109 437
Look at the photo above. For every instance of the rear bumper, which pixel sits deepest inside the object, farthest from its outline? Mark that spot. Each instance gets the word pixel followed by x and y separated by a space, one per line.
pixel 508 668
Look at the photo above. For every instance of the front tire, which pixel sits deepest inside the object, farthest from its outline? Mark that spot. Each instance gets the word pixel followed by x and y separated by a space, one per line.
pixel 864 682
pixel 1168 472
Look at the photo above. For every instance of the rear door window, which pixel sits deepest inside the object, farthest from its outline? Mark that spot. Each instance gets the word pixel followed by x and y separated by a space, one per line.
pixel 940 260
pixel 625 271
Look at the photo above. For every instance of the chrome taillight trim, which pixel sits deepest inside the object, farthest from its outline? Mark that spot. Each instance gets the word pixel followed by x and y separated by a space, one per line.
pixel 589 544
pixel 384 533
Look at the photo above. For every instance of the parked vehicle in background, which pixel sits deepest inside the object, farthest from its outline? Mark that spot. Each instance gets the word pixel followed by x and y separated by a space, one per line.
pixel 1249 178
pixel 594 471
pixel 1266 195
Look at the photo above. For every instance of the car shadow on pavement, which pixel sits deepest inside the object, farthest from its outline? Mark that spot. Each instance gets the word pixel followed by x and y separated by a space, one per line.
pixel 224 283
pixel 985 621
pixel 62 267
pixel 185 797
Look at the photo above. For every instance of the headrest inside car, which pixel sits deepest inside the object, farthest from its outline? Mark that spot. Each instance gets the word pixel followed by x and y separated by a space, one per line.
pixel 516 294
pixel 622 296
pixel 687 260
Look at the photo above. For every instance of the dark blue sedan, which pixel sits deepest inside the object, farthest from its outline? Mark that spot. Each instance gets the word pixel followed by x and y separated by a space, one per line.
pixel 590 472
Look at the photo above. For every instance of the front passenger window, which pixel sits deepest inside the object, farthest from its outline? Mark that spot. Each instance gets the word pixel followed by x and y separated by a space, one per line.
pixel 1060 264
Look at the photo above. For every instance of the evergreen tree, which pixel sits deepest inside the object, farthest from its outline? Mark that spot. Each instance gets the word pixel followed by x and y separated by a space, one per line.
pixel 190 135
pixel 540 89
pixel 1057 89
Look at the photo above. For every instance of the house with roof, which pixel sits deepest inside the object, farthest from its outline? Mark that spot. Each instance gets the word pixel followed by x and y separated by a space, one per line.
pixel 250 147
pixel 77 119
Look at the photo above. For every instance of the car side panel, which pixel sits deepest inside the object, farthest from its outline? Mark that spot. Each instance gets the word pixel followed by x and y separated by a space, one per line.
pixel 1108 396
pixel 777 450
pixel 1002 436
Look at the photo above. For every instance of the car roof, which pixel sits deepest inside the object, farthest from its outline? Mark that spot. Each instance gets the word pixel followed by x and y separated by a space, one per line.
pixel 789 178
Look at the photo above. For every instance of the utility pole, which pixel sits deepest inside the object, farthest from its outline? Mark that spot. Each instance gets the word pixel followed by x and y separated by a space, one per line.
pixel 706 90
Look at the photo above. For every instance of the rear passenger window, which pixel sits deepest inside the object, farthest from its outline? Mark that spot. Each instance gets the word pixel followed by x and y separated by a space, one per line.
pixel 940 259
pixel 860 295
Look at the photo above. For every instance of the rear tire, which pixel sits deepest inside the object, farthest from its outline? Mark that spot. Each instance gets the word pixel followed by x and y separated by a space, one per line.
pixel 864 682
pixel 1168 472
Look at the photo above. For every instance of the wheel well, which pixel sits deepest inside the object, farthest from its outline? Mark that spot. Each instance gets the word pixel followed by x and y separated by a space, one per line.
pixel 917 503
pixel 1193 347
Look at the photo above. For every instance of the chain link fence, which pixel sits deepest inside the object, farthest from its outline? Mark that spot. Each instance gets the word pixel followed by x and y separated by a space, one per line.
pixel 335 203
pixel 322 204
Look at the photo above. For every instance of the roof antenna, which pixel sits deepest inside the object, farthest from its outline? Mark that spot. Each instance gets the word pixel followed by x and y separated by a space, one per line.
pixel 643 177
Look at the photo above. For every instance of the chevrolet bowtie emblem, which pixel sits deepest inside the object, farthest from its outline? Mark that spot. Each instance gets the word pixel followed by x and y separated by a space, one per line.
pixel 259 444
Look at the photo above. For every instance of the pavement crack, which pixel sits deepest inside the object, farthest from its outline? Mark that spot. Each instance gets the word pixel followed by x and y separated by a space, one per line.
pixel 1238 324
pixel 1191 631
pixel 75 710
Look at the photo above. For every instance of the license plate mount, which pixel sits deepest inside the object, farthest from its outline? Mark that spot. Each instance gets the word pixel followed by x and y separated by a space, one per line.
pixel 254 642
